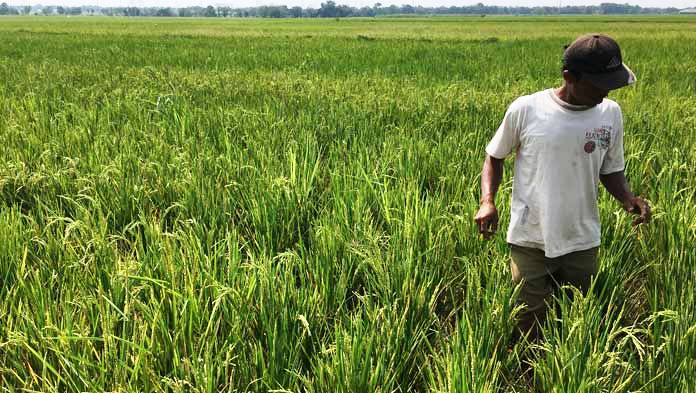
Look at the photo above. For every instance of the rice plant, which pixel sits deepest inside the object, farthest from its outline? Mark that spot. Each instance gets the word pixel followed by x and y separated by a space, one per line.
pixel 283 206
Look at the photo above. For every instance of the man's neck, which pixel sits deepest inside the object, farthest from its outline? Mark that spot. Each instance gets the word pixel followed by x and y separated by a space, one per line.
pixel 564 94
pixel 567 100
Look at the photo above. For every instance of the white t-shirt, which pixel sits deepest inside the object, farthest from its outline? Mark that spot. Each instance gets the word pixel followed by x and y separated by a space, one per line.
pixel 560 151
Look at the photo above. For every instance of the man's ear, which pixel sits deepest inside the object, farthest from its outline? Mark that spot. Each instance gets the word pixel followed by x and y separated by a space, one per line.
pixel 569 77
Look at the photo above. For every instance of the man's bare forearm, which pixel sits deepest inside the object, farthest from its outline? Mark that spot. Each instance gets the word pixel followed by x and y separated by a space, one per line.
pixel 491 177
pixel 617 185
pixel 487 216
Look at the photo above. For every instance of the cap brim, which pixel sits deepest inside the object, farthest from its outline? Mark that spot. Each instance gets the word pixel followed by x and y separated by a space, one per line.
pixel 612 80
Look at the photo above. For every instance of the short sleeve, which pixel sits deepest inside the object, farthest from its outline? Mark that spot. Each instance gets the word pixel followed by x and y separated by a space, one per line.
pixel 507 137
pixel 614 158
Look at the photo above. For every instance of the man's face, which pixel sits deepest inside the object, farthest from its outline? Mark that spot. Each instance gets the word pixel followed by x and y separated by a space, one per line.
pixel 582 91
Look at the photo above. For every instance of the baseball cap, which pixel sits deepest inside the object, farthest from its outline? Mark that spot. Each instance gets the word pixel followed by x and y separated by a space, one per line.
pixel 598 58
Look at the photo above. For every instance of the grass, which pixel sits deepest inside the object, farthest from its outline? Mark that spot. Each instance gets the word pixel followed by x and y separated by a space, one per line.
pixel 254 205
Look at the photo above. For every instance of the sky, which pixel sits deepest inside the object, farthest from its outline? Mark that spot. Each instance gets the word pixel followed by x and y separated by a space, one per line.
pixel 355 3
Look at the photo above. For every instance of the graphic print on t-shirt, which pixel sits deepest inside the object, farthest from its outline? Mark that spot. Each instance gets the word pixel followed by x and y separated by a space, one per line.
pixel 590 146
pixel 597 136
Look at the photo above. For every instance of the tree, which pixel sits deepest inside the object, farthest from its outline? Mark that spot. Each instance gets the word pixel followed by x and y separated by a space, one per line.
pixel 296 12
pixel 4 9
pixel 343 11
pixel 210 12
pixel 131 11
pixel 376 8
pixel 328 10
pixel 365 11
pixel 165 12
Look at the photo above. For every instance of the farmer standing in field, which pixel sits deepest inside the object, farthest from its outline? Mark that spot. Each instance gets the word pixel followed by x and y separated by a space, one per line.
pixel 566 140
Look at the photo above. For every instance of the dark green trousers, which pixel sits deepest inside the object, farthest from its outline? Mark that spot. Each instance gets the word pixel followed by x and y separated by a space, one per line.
pixel 540 276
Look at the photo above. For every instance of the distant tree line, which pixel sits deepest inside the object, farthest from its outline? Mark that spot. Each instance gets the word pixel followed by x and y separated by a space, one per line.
pixel 330 9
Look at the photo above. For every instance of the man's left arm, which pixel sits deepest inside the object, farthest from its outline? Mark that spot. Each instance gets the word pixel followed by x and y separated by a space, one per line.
pixel 617 185
pixel 611 174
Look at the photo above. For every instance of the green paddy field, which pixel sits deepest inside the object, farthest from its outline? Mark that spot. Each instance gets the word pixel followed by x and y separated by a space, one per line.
pixel 246 205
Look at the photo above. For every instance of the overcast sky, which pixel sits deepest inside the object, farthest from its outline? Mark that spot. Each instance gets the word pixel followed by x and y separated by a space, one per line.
pixel 356 3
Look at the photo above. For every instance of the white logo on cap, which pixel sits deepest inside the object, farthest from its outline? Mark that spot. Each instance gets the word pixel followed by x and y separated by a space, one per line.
pixel 631 76
pixel 614 62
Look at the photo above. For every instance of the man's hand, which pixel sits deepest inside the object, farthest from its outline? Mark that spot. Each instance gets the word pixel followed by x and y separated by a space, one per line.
pixel 617 185
pixel 639 207
pixel 487 219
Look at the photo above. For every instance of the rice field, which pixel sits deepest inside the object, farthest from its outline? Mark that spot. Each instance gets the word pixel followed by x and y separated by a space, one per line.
pixel 247 205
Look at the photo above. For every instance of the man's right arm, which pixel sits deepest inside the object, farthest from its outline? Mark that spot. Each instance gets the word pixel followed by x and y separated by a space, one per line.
pixel 505 141
pixel 487 216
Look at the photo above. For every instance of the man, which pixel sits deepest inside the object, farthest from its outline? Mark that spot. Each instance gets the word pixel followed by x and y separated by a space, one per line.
pixel 566 141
